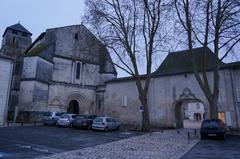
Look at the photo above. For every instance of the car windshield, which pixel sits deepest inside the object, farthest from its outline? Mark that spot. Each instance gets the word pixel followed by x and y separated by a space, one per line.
pixel 98 120
pixel 74 116
pixel 59 114
pixel 91 117
pixel 80 118
pixel 213 124
pixel 48 114
pixel 64 116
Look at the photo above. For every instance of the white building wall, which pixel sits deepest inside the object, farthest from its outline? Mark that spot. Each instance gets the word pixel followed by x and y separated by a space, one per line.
pixel 164 92
pixel 126 112
pixel 5 82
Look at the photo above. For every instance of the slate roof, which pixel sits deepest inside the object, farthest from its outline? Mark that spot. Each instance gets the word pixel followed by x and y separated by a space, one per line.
pixel 17 27
pixel 181 62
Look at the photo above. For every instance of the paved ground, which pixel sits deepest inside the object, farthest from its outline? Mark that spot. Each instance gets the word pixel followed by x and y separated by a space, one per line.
pixel 157 145
pixel 216 149
pixel 31 142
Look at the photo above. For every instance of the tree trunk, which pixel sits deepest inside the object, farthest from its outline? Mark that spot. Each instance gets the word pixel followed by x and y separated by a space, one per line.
pixel 146 127
pixel 213 104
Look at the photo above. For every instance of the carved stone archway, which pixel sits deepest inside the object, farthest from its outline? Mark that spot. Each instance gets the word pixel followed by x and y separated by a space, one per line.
pixel 178 106
pixel 75 102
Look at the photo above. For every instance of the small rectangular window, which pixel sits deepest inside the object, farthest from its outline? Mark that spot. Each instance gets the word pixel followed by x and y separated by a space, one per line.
pixel 24 34
pixel 124 101
pixel 78 70
pixel 14 40
pixel 14 32
pixel 76 36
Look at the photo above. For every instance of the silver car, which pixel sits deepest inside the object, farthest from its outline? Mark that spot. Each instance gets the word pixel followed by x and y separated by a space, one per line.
pixel 105 123
pixel 66 120
pixel 50 118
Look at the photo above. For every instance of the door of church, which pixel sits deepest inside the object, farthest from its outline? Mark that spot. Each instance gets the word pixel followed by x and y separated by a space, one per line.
pixel 73 107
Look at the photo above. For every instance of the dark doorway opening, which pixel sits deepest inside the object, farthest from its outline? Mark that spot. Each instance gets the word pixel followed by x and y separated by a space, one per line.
pixel 73 107
pixel 178 115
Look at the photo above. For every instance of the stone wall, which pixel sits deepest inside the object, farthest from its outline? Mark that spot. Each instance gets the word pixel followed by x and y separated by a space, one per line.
pixel 44 70
pixel 76 41
pixel 127 114
pixel 61 95
pixel 164 92
pixel 29 67
pixel 65 71
pixel 33 96
pixel 236 88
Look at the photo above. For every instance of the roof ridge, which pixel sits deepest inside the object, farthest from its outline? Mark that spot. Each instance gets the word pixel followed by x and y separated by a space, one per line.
pixel 17 27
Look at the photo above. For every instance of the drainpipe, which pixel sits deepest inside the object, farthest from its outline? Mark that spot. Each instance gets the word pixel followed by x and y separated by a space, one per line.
pixel 234 99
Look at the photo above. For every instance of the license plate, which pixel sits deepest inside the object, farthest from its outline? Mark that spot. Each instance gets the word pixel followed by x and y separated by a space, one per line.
pixel 212 135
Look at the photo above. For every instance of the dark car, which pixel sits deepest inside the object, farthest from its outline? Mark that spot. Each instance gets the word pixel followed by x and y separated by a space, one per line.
pixel 84 121
pixel 213 128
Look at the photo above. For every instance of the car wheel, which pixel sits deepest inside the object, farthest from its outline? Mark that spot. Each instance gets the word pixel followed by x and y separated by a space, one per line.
pixel 222 137
pixel 203 137
pixel 89 127
pixel 106 129
pixel 70 125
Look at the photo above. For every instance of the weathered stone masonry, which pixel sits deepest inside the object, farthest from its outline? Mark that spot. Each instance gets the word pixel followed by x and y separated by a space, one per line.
pixel 68 69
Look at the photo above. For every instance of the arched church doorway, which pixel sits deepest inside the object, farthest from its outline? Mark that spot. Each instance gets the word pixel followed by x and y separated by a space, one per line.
pixel 189 113
pixel 73 107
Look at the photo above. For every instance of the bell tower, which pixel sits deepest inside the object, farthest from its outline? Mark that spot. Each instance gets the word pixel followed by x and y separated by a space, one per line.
pixel 16 40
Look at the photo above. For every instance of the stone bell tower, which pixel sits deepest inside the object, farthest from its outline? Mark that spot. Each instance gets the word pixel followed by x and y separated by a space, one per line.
pixel 16 40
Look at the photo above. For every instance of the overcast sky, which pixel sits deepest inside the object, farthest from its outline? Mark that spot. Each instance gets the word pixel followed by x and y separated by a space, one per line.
pixel 39 15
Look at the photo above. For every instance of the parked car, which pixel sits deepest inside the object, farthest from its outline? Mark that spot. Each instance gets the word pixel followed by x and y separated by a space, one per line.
pixel 213 128
pixel 84 121
pixel 105 123
pixel 66 120
pixel 50 118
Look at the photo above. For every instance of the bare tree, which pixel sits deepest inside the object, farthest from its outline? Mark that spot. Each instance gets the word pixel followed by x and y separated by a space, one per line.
pixel 130 29
pixel 214 24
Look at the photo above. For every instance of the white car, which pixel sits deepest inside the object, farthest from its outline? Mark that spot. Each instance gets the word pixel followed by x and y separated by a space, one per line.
pixel 66 120
pixel 105 123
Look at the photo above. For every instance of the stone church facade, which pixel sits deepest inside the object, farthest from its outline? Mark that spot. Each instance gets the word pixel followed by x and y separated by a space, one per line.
pixel 60 71
pixel 68 69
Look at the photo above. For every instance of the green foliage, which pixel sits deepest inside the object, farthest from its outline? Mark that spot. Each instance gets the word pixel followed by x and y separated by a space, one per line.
pixel 37 50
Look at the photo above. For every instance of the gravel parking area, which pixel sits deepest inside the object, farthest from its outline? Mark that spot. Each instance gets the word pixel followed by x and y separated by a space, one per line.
pixel 163 145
